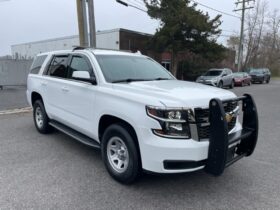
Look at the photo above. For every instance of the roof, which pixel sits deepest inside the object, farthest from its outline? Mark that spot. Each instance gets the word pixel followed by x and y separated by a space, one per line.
pixel 77 36
pixel 94 51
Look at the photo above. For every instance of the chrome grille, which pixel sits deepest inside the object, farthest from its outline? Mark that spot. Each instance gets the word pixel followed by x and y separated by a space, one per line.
pixel 202 120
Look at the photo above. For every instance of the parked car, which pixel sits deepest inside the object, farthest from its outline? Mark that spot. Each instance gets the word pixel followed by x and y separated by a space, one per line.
pixel 218 78
pixel 241 79
pixel 139 115
pixel 260 75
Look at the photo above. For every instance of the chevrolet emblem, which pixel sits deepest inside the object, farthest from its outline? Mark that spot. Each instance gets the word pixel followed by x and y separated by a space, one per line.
pixel 229 117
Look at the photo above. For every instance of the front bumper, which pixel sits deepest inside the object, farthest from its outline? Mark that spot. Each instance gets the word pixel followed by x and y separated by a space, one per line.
pixel 257 79
pixel 162 155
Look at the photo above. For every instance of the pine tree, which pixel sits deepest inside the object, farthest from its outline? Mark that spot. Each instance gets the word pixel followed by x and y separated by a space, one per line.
pixel 184 28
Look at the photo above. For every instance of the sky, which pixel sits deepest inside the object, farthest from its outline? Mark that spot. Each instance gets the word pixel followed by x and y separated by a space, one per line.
pixel 34 20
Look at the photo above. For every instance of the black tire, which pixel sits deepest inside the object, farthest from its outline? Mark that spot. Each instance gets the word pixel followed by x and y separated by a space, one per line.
pixel 249 83
pixel 133 168
pixel 231 85
pixel 220 84
pixel 268 80
pixel 43 127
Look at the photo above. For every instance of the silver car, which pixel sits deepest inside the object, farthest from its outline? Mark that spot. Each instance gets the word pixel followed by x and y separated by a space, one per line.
pixel 218 78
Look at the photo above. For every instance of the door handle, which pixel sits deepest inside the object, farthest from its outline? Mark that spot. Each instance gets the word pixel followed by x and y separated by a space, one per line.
pixel 65 89
pixel 44 84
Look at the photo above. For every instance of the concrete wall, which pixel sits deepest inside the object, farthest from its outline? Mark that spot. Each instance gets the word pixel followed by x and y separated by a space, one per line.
pixel 104 39
pixel 30 50
pixel 108 40
pixel 14 72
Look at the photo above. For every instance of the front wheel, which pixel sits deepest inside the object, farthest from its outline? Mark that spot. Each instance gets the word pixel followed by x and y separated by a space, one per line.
pixel 231 85
pixel 220 84
pixel 120 154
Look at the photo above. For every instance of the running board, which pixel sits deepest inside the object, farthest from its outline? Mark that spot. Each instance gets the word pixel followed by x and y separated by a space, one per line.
pixel 75 135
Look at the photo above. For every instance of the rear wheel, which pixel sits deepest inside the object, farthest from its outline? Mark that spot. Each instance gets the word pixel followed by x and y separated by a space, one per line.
pixel 268 80
pixel 40 117
pixel 120 154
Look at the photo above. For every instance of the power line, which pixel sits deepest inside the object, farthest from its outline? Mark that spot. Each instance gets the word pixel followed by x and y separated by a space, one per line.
pixel 134 3
pixel 130 5
pixel 211 8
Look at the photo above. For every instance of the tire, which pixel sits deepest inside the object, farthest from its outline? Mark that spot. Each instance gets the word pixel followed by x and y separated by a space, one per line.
pixel 220 84
pixel 231 85
pixel 263 80
pixel 249 83
pixel 40 117
pixel 120 154
pixel 268 80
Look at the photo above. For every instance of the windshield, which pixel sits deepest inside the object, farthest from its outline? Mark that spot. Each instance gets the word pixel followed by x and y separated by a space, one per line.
pixel 213 73
pixel 118 68
pixel 256 71
pixel 238 75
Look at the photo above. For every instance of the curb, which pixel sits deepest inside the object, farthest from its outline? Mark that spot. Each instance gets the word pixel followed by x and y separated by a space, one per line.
pixel 16 111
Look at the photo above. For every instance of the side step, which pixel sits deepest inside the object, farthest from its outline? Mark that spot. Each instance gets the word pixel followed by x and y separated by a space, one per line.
pixel 75 135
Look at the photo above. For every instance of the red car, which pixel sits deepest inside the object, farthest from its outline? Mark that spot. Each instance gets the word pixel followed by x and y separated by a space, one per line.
pixel 241 79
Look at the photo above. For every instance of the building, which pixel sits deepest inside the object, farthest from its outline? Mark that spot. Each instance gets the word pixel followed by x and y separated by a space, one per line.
pixel 115 39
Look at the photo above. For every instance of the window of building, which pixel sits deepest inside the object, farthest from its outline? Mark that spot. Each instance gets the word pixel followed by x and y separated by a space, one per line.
pixel 166 64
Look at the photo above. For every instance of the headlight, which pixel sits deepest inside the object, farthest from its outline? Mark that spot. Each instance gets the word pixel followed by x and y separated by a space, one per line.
pixel 174 122
pixel 215 80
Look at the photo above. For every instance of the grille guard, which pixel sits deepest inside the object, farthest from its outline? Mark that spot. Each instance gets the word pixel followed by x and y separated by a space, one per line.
pixel 220 154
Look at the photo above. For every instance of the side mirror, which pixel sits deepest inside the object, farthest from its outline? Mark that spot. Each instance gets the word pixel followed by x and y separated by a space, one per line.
pixel 83 76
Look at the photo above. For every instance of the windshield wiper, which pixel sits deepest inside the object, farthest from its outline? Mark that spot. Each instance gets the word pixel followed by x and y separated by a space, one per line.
pixel 129 80
pixel 161 78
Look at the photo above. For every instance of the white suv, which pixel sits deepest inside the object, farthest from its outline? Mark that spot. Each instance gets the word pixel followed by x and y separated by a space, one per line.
pixel 138 114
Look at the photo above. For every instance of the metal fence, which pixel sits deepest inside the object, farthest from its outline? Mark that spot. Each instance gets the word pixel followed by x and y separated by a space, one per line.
pixel 14 72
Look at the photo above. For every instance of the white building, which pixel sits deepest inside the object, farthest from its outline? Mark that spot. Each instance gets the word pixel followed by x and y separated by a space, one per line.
pixel 116 39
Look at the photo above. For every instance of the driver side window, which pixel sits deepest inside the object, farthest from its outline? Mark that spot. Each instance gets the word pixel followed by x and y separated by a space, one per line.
pixel 79 63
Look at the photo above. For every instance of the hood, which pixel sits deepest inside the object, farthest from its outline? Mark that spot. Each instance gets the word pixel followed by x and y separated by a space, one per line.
pixel 208 77
pixel 174 93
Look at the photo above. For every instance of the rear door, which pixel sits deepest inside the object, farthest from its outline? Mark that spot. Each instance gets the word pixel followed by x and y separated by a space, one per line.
pixel 54 87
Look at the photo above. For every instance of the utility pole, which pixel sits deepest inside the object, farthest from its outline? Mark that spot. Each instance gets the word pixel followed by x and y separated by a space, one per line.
pixel 241 42
pixel 92 30
pixel 82 22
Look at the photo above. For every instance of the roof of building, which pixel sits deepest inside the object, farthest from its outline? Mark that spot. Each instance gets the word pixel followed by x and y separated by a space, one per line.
pixel 77 36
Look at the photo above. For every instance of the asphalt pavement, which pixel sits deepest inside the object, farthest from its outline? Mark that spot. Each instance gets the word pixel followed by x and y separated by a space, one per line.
pixel 56 172
pixel 12 97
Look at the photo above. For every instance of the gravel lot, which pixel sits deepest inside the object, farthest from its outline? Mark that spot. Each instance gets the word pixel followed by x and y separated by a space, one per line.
pixel 56 172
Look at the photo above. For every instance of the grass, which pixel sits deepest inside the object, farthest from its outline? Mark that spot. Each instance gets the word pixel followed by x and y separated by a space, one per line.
pixel 276 78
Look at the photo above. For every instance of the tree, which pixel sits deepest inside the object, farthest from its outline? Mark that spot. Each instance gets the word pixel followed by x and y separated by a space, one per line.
pixel 262 40
pixel 184 28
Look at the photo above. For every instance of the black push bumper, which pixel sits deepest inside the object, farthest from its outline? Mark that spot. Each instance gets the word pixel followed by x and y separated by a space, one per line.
pixel 225 149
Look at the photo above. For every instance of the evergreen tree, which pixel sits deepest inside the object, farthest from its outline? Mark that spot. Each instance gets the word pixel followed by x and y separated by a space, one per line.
pixel 184 28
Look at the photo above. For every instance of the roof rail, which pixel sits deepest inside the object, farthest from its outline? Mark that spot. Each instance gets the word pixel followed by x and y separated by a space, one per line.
pixel 80 48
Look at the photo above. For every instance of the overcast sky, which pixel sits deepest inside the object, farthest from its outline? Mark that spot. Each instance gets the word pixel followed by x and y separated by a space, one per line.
pixel 33 20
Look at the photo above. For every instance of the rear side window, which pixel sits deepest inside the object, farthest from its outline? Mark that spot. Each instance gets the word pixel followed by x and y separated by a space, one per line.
pixel 37 64
pixel 58 67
